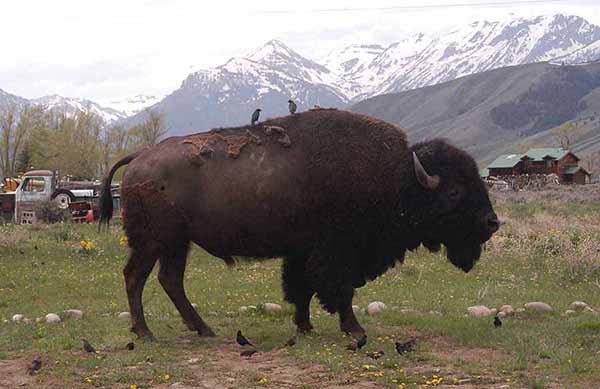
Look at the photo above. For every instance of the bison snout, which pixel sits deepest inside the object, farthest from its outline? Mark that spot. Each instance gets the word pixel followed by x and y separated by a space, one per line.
pixel 492 223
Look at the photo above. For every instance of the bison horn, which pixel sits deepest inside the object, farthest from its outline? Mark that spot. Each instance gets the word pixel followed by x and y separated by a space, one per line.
pixel 426 181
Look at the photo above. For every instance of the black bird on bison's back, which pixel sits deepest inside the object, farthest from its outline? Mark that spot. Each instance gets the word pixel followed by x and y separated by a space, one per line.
pixel 497 322
pixel 292 106
pixel 241 339
pixel 256 115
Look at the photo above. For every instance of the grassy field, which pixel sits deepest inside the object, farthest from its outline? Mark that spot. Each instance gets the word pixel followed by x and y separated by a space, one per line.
pixel 548 250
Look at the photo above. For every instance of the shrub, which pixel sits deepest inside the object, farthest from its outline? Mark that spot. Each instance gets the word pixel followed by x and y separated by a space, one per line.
pixel 49 212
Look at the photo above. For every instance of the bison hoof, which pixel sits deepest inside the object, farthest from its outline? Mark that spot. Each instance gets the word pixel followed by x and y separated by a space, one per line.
pixel 304 328
pixel 355 332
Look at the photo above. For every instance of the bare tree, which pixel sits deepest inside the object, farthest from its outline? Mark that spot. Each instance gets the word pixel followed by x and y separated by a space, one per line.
pixel 567 134
pixel 149 132
pixel 16 124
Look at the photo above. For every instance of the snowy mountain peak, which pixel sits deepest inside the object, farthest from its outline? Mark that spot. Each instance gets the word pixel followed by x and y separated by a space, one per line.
pixel 133 104
pixel 70 105
pixel 272 51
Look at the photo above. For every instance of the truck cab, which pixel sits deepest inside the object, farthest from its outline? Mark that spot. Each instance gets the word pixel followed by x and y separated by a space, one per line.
pixel 36 186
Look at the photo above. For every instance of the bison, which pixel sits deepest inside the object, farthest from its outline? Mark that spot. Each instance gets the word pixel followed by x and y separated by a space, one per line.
pixel 339 196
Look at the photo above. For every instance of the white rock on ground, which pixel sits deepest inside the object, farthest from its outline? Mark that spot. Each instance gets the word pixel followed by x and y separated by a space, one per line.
pixel 479 310
pixel 18 317
pixel 569 312
pixel 375 308
pixel 355 309
pixel 589 310
pixel 507 309
pixel 578 306
pixel 194 306
pixel 272 308
pixel 243 309
pixel 538 306
pixel 74 314
pixel 124 315
pixel 52 318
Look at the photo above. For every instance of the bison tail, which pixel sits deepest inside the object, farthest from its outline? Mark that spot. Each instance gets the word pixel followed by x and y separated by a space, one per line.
pixel 106 200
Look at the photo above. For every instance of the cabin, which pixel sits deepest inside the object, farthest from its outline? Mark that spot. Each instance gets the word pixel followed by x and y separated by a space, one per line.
pixel 557 161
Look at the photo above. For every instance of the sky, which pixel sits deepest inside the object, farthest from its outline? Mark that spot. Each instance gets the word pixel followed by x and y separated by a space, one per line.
pixel 105 50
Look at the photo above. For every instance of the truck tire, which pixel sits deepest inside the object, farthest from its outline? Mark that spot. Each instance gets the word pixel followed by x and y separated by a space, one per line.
pixel 63 198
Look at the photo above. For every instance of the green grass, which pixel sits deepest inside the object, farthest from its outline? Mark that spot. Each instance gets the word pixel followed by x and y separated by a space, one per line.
pixel 532 350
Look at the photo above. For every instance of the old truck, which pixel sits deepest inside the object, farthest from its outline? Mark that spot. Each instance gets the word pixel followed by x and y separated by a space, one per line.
pixel 38 186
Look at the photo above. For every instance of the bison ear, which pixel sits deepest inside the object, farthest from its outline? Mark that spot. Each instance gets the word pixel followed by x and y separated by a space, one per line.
pixel 426 181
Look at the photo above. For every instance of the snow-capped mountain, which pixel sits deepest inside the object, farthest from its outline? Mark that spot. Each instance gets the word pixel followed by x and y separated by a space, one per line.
pixel 422 60
pixel 62 104
pixel 268 76
pixel 132 105
pixel 8 100
pixel 265 78
pixel 71 105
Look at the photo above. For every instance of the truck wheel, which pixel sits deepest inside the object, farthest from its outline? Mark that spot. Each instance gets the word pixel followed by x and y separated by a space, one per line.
pixel 63 198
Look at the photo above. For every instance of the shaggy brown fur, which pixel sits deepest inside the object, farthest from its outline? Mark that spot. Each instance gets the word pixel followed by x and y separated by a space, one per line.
pixel 341 204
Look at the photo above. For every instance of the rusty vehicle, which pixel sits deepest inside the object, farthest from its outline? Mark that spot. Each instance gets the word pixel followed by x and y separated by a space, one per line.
pixel 38 186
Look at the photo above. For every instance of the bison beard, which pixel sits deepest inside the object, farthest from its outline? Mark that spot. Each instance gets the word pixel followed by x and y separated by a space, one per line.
pixel 341 200
pixel 464 257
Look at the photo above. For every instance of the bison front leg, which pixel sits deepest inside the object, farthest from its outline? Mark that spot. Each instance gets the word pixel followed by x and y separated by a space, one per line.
pixel 170 276
pixel 136 273
pixel 332 280
pixel 297 291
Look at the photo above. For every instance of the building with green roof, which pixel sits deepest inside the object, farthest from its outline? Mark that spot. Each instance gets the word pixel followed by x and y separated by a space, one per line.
pixel 555 160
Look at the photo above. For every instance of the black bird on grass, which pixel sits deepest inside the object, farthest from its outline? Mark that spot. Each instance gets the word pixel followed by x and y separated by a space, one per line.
pixel 87 346
pixel 406 347
pixel 248 353
pixel 291 341
pixel 241 339
pixel 130 346
pixel 256 115
pixel 292 106
pixel 36 365
pixel 357 344
pixel 497 322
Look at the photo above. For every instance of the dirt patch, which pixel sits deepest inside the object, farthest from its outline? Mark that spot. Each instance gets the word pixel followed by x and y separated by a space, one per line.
pixel 227 369
pixel 14 374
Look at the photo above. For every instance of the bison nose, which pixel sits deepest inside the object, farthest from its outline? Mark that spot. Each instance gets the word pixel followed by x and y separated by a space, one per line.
pixel 492 223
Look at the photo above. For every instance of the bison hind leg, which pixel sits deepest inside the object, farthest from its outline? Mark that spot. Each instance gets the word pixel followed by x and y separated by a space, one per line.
pixel 136 272
pixel 170 276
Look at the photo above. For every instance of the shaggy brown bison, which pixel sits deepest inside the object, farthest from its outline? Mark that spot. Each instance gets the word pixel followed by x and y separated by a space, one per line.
pixel 339 196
